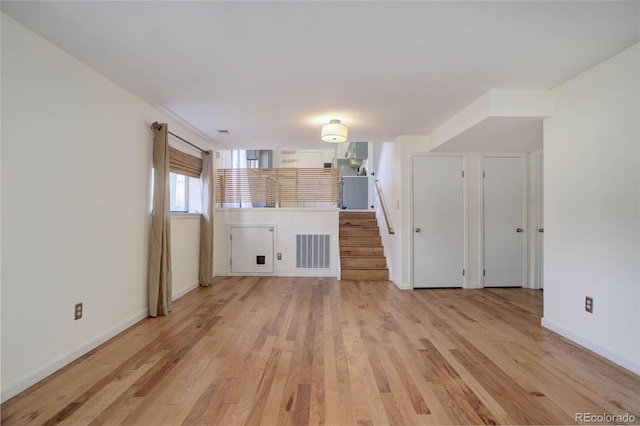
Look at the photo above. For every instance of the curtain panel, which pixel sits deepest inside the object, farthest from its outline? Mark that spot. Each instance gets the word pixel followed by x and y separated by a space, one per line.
pixel 206 220
pixel 159 266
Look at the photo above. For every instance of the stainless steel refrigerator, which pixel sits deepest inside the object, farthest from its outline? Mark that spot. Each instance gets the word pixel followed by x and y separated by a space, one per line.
pixel 354 192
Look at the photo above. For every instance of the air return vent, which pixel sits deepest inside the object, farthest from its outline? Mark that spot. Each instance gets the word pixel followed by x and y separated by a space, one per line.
pixel 313 251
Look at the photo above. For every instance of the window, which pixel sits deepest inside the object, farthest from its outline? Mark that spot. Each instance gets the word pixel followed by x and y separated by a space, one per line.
pixel 184 194
pixel 178 193
pixel 238 159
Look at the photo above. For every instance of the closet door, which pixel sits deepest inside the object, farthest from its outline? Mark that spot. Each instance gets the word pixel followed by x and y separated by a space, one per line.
pixel 503 230
pixel 438 221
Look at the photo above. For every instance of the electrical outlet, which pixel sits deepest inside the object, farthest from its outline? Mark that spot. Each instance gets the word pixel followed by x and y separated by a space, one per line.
pixel 279 256
pixel 78 311
pixel 588 304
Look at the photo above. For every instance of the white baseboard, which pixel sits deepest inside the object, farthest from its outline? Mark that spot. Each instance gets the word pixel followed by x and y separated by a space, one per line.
pixel 331 273
pixel 320 273
pixel 400 285
pixel 237 274
pixel 632 365
pixel 177 295
pixel 12 389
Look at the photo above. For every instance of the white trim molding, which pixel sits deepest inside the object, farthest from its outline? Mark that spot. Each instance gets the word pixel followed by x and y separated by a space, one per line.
pixel 12 389
pixel 629 364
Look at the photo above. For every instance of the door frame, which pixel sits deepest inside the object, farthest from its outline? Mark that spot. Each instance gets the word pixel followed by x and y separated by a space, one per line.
pixel 537 213
pixel 465 255
pixel 525 239
pixel 230 226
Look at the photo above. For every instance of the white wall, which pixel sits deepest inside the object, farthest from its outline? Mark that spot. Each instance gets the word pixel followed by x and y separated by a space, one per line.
pixel 185 253
pixel 328 156
pixel 287 222
pixel 388 173
pixel 592 194
pixel 76 171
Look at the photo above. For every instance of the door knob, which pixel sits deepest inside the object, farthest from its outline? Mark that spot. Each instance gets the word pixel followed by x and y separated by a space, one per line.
pixel 540 229
pixel 519 230
pixel 418 230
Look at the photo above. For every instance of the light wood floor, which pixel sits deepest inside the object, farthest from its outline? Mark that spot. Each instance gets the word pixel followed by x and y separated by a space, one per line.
pixel 318 351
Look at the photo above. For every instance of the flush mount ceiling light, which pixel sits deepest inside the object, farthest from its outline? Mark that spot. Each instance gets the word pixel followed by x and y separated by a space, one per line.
pixel 334 132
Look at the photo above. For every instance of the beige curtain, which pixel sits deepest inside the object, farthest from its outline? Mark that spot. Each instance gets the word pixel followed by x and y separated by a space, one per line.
pixel 160 242
pixel 206 220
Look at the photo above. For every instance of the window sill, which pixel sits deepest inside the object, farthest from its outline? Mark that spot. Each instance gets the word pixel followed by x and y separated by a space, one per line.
pixel 276 209
pixel 176 215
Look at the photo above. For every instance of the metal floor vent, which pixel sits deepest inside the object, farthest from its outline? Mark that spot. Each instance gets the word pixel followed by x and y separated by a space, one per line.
pixel 313 251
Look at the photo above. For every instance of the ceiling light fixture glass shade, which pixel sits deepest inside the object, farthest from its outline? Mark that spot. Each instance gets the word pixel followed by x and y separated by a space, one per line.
pixel 334 132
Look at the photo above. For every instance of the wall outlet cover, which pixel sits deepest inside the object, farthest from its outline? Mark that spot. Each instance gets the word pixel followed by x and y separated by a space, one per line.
pixel 588 304
pixel 78 311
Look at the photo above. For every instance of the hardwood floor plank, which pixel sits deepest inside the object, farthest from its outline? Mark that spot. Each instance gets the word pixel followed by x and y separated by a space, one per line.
pixel 303 401
pixel 316 404
pixel 331 395
pixel 361 392
pixel 293 351
pixel 272 407
pixel 204 410
pixel 103 399
pixel 467 403
pixel 417 401
pixel 393 411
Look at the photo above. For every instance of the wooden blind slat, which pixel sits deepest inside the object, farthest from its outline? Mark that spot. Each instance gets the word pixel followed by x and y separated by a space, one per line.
pixel 184 164
pixel 277 185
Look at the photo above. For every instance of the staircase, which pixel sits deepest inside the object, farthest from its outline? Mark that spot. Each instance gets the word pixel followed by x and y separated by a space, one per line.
pixel 361 253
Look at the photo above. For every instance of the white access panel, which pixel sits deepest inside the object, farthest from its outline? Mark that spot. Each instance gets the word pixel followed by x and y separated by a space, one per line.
pixel 251 249
pixel 438 221
pixel 503 212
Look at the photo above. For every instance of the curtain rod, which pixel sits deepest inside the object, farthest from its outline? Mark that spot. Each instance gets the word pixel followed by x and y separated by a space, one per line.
pixel 156 126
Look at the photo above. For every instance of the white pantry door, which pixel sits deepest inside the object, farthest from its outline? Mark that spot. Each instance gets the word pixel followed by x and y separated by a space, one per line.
pixel 503 222
pixel 438 221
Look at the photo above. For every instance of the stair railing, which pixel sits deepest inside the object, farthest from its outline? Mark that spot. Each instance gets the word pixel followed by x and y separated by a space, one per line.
pixel 383 206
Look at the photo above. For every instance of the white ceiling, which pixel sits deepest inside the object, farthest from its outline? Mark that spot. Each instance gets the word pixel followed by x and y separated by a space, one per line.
pixel 273 72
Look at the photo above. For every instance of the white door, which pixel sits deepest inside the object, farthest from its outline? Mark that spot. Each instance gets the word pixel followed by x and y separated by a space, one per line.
pixel 503 222
pixel 251 249
pixel 438 221
pixel 540 228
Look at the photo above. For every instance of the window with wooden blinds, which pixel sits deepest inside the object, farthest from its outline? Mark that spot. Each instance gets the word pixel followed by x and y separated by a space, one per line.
pixel 284 185
pixel 184 164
